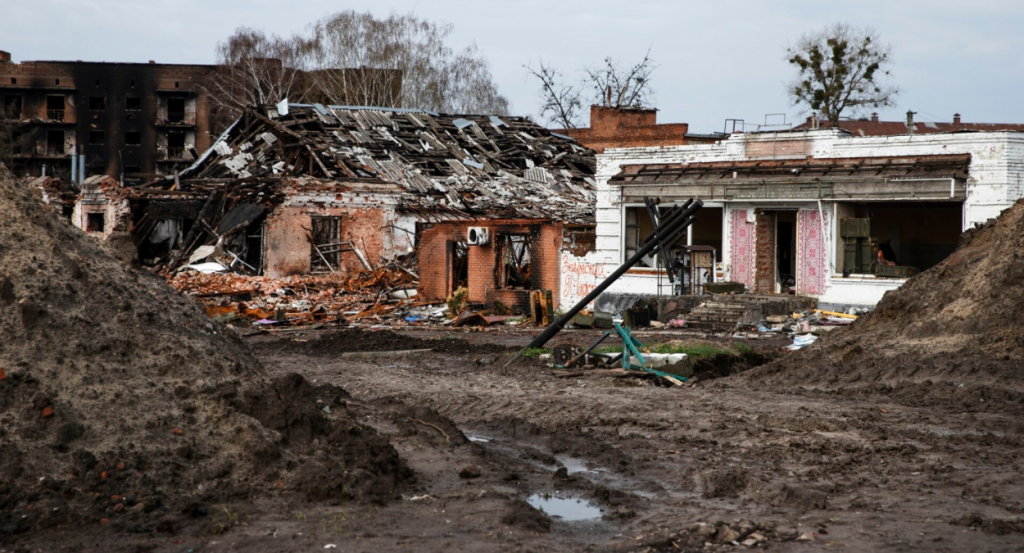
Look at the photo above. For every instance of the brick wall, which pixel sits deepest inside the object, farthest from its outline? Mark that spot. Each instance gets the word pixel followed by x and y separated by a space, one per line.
pixel 287 248
pixel 764 276
pixel 434 262
pixel 629 128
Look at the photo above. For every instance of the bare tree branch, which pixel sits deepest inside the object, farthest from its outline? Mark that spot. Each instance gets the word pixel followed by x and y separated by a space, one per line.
pixel 561 103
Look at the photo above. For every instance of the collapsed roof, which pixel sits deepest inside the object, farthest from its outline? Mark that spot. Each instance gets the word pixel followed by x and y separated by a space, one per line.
pixel 459 166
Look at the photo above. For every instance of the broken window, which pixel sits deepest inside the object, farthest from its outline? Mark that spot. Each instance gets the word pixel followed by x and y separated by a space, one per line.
pixel 95 222
pixel 132 169
pixel 132 103
pixel 886 238
pixel 55 108
pixel 133 138
pixel 97 103
pixel 175 144
pixel 513 261
pixel 97 137
pixel 636 227
pixel 175 110
pixel 12 107
pixel 325 240
pixel 54 143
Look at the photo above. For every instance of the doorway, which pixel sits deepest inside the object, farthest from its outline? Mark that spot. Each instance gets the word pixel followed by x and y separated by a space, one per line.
pixel 458 266
pixel 785 251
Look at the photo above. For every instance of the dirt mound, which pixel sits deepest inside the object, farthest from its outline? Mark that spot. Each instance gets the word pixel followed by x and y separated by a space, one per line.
pixel 121 400
pixel 357 340
pixel 950 335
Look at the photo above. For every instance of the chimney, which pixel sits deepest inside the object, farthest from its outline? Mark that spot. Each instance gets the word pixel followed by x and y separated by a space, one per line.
pixel 956 119
pixel 5 56
pixel 910 122
pixel 608 102
pixel 874 117
pixel 815 124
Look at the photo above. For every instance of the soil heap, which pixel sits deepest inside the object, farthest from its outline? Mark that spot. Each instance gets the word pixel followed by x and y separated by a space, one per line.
pixel 121 401
pixel 951 335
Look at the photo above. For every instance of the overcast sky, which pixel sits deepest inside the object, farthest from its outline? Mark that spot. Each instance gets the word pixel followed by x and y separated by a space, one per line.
pixel 715 60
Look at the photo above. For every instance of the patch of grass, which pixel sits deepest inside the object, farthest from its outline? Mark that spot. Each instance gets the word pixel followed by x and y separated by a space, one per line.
pixel 223 520
pixel 535 352
pixel 744 349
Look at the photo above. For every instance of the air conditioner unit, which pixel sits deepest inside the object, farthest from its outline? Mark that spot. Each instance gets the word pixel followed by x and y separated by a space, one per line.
pixel 477 236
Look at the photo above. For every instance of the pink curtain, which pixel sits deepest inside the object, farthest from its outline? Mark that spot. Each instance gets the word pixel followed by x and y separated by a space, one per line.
pixel 812 257
pixel 741 248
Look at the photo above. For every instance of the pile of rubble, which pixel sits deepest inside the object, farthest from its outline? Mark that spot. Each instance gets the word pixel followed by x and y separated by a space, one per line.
pixel 122 403
pixel 384 293
pixel 948 336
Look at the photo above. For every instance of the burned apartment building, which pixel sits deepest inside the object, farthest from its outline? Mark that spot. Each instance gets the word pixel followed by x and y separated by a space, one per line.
pixel 491 204
pixel 825 213
pixel 125 118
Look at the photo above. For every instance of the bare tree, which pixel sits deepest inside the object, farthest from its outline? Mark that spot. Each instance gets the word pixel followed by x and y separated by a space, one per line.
pixel 254 68
pixel 561 103
pixel 355 58
pixel 618 87
pixel 404 50
pixel 841 69
pixel 611 84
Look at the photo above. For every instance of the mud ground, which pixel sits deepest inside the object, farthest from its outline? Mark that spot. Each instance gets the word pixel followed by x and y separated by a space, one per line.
pixel 671 469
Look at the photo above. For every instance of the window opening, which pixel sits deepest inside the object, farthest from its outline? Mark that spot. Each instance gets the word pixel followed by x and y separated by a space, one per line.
pixel 95 222
pixel 54 143
pixel 325 241
pixel 55 108
pixel 133 138
pixel 175 110
pixel 97 137
pixel 175 144
pixel 513 256
pixel 637 226
pixel 12 107
pixel 132 103
pixel 97 103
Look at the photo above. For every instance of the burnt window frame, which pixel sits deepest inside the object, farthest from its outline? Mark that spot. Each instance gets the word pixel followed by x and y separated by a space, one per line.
pixel 177 116
pixel 127 138
pixel 94 134
pixel 56 114
pixel 5 114
pixel 325 243
pixel 63 142
pixel 133 103
pixel 97 103
pixel 507 258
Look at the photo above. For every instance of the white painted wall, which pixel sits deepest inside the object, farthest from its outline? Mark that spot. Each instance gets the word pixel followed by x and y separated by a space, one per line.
pixel 996 181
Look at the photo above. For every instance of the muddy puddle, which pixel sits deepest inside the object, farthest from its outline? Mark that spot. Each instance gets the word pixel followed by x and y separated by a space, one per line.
pixel 569 509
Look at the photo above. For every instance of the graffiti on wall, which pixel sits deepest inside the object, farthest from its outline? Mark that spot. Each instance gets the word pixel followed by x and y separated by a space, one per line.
pixel 579 278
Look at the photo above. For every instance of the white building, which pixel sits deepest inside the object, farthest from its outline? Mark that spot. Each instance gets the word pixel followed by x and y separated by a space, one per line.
pixel 774 204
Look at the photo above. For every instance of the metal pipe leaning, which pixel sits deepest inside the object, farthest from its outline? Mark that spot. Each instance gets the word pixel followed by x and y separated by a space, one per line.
pixel 668 229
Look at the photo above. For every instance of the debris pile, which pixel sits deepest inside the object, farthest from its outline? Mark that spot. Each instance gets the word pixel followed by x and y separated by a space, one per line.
pixel 369 296
pixel 950 335
pixel 121 402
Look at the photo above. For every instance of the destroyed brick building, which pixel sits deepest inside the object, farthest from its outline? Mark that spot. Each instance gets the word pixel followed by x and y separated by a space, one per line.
pixel 488 203
pixel 124 118
pixel 633 127
pixel 824 213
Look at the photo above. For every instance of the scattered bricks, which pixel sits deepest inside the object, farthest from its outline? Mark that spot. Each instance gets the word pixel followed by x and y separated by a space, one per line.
pixel 178 432
pixel 119 507
pixel 3 375
pixel 116 498
pixel 47 412
pixel 103 475
pixel 104 520
pixel 120 466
